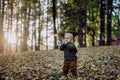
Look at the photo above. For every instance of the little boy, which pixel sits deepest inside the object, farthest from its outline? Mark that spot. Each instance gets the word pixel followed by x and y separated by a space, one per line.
pixel 70 57
pixel 118 40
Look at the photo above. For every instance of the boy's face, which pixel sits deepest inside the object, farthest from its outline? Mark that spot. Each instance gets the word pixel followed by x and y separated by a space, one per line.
pixel 67 38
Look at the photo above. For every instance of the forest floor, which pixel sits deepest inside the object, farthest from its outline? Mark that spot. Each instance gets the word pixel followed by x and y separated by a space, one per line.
pixel 94 63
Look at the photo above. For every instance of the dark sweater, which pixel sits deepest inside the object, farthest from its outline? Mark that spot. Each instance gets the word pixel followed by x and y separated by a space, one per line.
pixel 69 51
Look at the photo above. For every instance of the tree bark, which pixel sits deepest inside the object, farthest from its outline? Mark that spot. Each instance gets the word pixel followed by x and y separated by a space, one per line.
pixel 39 28
pixel 25 29
pixel 82 26
pixel 1 27
pixel 54 22
pixel 17 31
pixel 102 23
pixel 109 20
pixel 36 42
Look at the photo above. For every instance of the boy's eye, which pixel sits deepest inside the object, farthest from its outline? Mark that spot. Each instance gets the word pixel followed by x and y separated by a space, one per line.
pixel 66 38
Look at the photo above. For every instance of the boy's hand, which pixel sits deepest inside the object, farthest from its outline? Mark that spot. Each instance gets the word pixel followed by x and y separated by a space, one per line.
pixel 64 41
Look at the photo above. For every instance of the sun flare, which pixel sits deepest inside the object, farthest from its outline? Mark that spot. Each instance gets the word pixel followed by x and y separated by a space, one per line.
pixel 12 39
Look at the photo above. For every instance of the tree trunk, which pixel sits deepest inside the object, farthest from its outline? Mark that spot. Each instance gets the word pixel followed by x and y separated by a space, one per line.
pixel 25 30
pixel 109 20
pixel 21 32
pixel 36 42
pixel 102 23
pixel 82 26
pixel 47 34
pixel 32 40
pixel 35 37
pixel 17 31
pixel 0 6
pixel 85 27
pixel 47 27
pixel 28 20
pixel 39 27
pixel 39 34
pixel 54 26
pixel 93 30
pixel 1 27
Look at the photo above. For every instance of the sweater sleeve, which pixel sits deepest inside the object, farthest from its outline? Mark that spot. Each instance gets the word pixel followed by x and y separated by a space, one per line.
pixel 62 46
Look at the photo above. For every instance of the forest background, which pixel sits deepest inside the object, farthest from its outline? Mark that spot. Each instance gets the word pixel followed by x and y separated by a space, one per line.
pixel 33 25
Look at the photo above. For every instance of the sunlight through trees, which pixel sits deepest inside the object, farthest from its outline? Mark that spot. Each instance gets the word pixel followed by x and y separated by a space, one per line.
pixel 40 24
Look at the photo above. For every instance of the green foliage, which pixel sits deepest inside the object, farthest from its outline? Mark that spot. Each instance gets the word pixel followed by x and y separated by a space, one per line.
pixel 115 23
pixel 70 21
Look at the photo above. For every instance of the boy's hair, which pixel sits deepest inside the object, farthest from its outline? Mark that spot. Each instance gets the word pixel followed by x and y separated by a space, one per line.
pixel 71 36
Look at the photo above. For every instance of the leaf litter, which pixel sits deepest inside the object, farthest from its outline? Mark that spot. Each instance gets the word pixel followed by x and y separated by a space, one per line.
pixel 94 63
